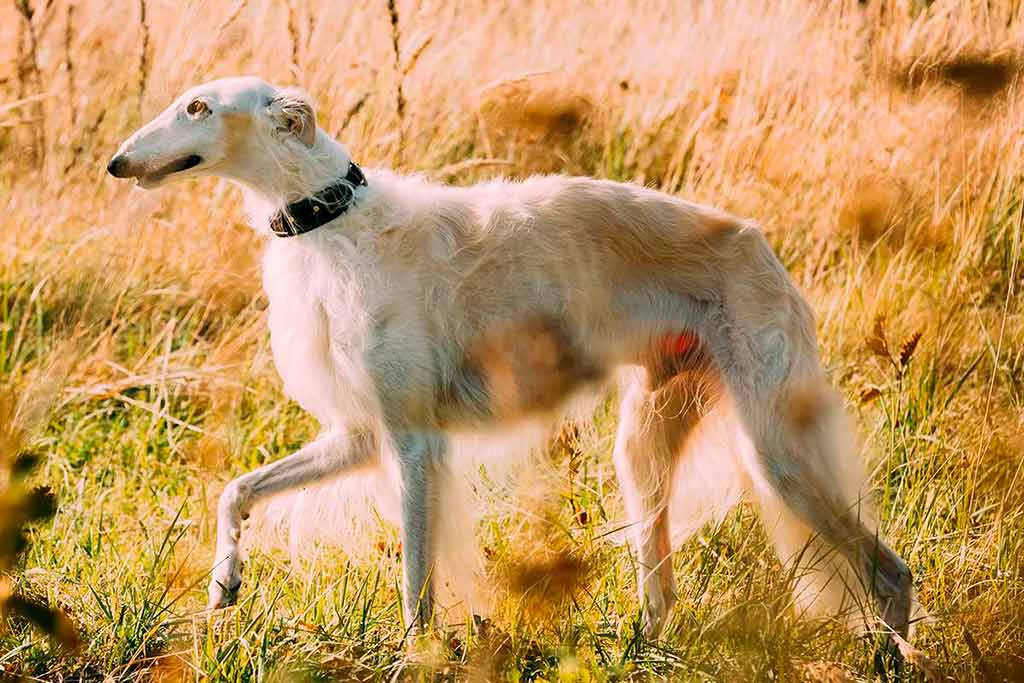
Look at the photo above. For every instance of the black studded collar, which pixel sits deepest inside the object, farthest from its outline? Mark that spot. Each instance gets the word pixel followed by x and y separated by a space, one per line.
pixel 309 213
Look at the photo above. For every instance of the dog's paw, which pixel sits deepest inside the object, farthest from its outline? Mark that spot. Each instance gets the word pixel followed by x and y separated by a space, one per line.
pixel 889 662
pixel 424 649
pixel 223 593
pixel 482 626
pixel 654 622
pixel 657 604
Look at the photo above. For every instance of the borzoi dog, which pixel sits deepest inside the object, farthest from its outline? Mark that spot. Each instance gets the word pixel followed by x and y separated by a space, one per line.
pixel 404 313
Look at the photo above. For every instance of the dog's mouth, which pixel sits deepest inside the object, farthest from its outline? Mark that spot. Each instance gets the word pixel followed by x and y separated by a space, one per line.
pixel 176 166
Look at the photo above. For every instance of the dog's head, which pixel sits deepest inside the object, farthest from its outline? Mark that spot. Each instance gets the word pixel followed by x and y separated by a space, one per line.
pixel 230 127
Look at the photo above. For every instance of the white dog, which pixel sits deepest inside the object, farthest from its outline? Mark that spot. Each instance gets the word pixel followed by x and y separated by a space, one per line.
pixel 403 313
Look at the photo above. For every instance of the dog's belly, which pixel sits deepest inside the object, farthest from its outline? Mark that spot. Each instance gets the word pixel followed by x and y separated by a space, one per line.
pixel 515 369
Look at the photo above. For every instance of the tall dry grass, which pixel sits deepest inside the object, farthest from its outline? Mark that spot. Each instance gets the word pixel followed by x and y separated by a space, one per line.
pixel 879 144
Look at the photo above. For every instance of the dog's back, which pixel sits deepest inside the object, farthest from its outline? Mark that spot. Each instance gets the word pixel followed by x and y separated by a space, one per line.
pixel 551 264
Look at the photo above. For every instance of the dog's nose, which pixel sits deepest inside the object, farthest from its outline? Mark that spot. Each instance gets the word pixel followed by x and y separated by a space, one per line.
pixel 117 166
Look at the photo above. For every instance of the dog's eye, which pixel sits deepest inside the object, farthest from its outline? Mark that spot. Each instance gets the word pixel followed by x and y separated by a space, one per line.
pixel 197 108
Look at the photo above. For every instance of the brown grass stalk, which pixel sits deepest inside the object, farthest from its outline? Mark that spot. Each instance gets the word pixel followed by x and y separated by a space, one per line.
pixel 30 77
pixel 396 36
pixel 144 65
pixel 293 34
pixel 69 65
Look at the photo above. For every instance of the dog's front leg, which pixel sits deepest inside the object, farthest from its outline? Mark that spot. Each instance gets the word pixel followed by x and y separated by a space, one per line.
pixel 329 456
pixel 419 457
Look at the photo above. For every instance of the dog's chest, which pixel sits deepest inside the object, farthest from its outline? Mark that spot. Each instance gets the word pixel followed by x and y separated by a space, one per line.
pixel 319 322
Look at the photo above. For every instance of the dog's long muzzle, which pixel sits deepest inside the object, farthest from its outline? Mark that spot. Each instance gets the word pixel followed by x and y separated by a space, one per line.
pixel 122 167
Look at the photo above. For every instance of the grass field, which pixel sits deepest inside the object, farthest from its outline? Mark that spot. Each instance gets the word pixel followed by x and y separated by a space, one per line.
pixel 881 146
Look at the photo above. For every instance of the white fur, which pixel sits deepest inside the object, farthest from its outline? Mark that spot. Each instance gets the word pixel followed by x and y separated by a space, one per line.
pixel 428 316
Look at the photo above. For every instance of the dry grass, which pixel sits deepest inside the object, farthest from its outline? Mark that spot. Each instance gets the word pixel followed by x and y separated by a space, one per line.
pixel 879 144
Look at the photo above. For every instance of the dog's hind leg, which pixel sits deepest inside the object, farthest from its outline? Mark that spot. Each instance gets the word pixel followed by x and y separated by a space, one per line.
pixel 331 455
pixel 653 424
pixel 761 335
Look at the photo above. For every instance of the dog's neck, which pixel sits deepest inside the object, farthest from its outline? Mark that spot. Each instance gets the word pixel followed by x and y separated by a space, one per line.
pixel 293 173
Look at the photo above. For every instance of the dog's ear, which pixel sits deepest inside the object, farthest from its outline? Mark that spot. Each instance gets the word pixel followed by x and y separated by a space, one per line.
pixel 292 113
